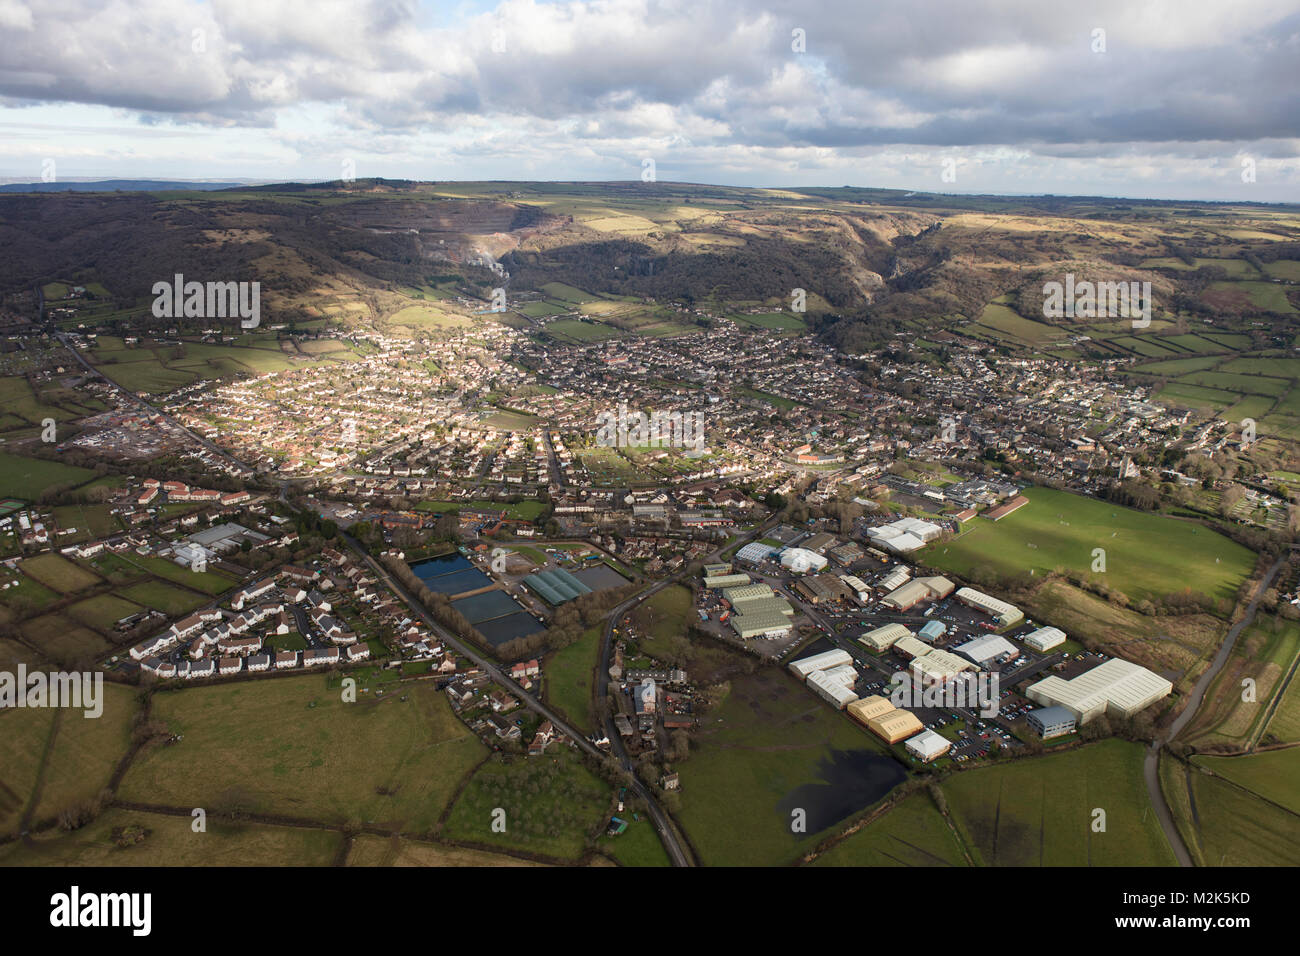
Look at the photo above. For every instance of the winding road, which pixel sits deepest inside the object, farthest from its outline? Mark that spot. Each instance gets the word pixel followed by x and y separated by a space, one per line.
pixel 1151 764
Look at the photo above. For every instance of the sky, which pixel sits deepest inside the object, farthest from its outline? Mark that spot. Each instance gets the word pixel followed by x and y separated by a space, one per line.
pixel 1175 100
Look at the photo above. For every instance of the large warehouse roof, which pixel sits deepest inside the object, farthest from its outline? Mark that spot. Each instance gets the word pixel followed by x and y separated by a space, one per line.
pixel 819 662
pixel 754 552
pixel 882 638
pixel 726 580
pixel 556 586
pixel 912 647
pixel 869 707
pixel 1045 638
pixel 927 745
pixel 1117 686
pixel 1007 614
pixel 985 648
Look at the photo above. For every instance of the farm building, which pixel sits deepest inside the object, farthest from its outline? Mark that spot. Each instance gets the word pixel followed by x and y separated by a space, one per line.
pixel 1005 614
pixel 883 638
pixel 1045 638
pixel 927 746
pixel 1117 687
pixel 819 662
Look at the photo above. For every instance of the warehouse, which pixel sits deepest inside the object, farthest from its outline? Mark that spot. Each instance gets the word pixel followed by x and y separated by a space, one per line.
pixel 910 647
pixel 922 589
pixel 845 674
pixel 932 631
pixel 833 691
pixel 716 570
pixel 1117 687
pixel 895 726
pixel 738 594
pixel 556 586
pixel 1005 614
pixel 801 560
pixel 820 542
pixel 927 746
pixel 1049 722
pixel 939 667
pixel 869 708
pixel 822 587
pixel 754 553
pixel 904 535
pixel 818 662
pixel 895 579
pixel 858 586
pixel 988 649
pixel 726 580
pixel 1045 638
pixel 846 554
pixel 883 638
pixel 766 624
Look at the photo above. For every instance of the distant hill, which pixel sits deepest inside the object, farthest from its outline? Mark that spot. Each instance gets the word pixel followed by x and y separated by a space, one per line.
pixel 113 185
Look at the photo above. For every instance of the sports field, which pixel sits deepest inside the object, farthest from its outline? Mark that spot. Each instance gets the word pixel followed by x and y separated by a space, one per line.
pixel 1147 556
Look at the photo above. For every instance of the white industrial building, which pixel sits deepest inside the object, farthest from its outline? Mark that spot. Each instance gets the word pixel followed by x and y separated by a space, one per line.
pixel 754 552
pixel 938 667
pixel 987 649
pixel 1117 687
pixel 832 690
pixel 927 746
pixel 1006 614
pixel 820 662
pixel 801 560
pixel 904 535
pixel 1045 638
pixel 895 579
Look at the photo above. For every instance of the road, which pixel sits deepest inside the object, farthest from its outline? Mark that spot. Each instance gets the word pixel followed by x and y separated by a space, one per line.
pixel 131 396
pixel 1151 765
pixel 606 657
pixel 672 843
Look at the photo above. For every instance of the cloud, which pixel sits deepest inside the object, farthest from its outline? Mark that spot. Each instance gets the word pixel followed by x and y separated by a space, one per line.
pixel 715 78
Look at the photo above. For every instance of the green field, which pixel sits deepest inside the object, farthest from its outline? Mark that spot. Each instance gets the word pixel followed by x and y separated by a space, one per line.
pixel 83 755
pixel 170 841
pixel 570 674
pixel 576 330
pixel 1272 774
pixel 394 762
pixel 1225 825
pixel 1040 811
pixel 770 741
pixel 913 833
pixel 28 477
pixel 552 805
pixel 1147 555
